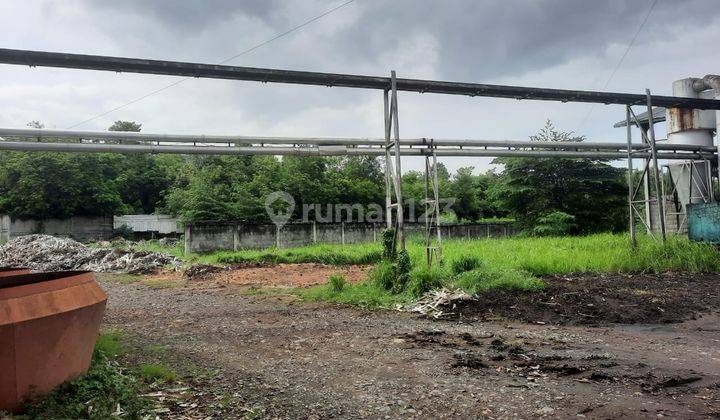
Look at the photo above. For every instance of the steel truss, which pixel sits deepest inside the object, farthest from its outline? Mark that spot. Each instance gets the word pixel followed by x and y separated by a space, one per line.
pixel 650 164
pixel 652 181
pixel 391 146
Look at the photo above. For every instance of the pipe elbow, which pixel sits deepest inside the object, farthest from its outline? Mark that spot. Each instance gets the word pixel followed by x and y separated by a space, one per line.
pixel 710 81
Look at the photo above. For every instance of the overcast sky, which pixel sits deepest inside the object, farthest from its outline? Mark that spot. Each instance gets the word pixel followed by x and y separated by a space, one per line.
pixel 572 44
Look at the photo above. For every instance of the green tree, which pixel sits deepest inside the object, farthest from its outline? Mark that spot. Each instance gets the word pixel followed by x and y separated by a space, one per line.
pixel 42 185
pixel 590 190
pixel 143 178
pixel 120 125
pixel 465 189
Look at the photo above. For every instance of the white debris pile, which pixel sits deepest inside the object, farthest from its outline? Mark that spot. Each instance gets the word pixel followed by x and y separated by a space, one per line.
pixel 48 253
pixel 436 303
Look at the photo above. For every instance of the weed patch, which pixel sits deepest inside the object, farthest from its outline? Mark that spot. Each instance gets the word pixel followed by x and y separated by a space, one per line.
pixel 465 263
pixel 96 394
pixel 337 283
pixel 156 373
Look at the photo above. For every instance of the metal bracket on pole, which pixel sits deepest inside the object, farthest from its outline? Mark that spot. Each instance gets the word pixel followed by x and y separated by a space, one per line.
pixel 432 208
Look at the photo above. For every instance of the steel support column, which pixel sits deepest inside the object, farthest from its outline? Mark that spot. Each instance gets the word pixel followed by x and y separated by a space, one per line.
pixel 393 173
pixel 388 163
pixel 656 169
pixel 432 208
pixel 400 220
pixel 631 183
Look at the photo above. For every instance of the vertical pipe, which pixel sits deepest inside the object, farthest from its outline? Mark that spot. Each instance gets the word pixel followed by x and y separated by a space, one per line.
pixel 388 164
pixel 398 169
pixel 656 175
pixel 631 183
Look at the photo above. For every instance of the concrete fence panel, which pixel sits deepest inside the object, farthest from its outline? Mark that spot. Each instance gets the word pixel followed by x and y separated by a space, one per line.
pixel 201 237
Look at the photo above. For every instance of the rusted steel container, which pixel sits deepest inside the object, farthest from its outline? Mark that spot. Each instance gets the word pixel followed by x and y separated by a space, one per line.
pixel 48 326
pixel 13 271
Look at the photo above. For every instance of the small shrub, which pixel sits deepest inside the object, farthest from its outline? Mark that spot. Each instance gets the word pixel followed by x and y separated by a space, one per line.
pixel 556 223
pixel 109 343
pixel 425 279
pixel 156 373
pixel 388 240
pixel 402 271
pixel 123 231
pixel 337 283
pixel 465 263
pixel 383 275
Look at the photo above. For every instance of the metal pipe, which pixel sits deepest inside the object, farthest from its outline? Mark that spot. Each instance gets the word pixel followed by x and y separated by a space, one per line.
pixel 185 138
pixel 175 68
pixel 330 141
pixel 32 146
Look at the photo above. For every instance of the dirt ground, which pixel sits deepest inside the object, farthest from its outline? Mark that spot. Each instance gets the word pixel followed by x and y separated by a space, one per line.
pixel 596 299
pixel 284 358
pixel 258 276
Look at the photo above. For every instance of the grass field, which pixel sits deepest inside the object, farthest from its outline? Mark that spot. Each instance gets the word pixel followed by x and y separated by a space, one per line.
pixel 495 263
pixel 537 255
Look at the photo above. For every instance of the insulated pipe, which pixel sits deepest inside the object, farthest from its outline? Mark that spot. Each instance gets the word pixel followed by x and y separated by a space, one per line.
pixel 184 138
pixel 31 133
pixel 175 68
pixel 325 151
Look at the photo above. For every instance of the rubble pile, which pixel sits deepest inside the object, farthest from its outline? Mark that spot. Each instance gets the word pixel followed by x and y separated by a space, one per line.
pixel 49 253
pixel 436 303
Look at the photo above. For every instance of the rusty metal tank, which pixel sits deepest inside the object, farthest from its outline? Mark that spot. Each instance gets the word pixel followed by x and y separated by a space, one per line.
pixel 13 271
pixel 48 326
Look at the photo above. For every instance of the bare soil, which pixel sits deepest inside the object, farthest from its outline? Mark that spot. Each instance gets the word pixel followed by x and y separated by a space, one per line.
pixel 282 358
pixel 601 299
pixel 257 276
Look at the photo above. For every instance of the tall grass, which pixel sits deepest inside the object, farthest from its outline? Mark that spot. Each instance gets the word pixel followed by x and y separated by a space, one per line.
pixel 606 253
pixel 480 264
pixel 517 263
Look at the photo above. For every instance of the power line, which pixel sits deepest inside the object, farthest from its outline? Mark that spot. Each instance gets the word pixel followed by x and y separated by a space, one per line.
pixel 249 50
pixel 622 58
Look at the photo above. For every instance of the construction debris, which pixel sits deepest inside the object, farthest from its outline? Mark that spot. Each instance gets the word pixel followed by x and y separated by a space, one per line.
pixel 435 303
pixel 49 253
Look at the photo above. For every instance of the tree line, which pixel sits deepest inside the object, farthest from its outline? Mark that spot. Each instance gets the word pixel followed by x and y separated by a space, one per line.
pixel 543 195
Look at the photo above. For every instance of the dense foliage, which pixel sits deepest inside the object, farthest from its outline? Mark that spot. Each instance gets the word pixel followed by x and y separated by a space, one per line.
pixel 592 193
pixel 558 195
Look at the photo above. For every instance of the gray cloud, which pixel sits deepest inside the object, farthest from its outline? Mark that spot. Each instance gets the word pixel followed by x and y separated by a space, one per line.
pixel 190 15
pixel 565 43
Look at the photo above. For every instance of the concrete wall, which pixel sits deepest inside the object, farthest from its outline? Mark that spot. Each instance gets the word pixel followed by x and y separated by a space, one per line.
pixel 203 237
pixel 156 223
pixel 80 228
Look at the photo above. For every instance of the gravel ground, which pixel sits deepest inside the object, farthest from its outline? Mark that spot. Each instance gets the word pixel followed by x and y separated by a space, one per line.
pixel 283 358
